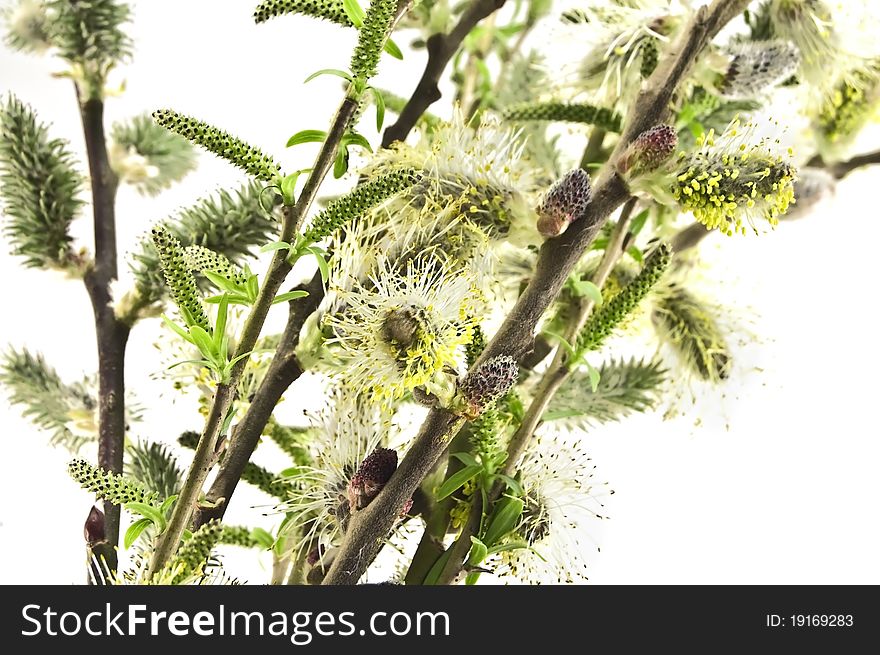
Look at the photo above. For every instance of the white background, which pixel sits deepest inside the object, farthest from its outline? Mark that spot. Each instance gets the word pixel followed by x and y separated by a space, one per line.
pixel 778 484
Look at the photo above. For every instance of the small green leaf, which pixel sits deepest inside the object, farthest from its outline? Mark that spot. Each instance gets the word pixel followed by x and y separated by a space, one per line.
pixel 275 245
pixel 478 552
pixel 465 458
pixel 220 325
pixel 457 480
pixel 231 414
pixel 232 298
pixel 167 503
pixel 341 165
pixel 179 330
pixel 437 569
pixel 203 341
pixel 135 530
pixel 380 109
pixel 636 254
pixel 288 188
pixel 513 545
pixel 512 484
pixel 328 71
pixel 290 295
pixel 471 578
pixel 639 222
pixel 148 512
pixel 252 285
pixel 307 136
pixel 323 266
pixel 238 358
pixel 221 282
pixel 355 139
pixel 586 289
pixel 562 342
pixel 392 49
pixel 263 538
pixel 354 12
pixel 504 519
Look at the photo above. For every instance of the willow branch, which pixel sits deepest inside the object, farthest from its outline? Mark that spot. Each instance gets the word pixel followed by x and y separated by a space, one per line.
pixel 111 334
pixel 841 169
pixel 225 394
pixel 556 260
pixel 441 48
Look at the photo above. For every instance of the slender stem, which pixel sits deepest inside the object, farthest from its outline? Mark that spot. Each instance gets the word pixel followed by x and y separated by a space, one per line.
pixel 689 237
pixel 556 260
pixel 111 334
pixel 225 394
pixel 593 150
pixel 841 169
pixel 441 48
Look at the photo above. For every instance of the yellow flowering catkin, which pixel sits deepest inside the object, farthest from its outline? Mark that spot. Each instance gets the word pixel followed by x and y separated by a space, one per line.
pixel 726 183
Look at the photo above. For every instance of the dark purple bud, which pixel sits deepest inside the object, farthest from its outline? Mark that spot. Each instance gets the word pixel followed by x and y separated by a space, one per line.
pixel 564 203
pixel 650 149
pixel 488 383
pixel 374 472
pixel 315 555
pixel 94 529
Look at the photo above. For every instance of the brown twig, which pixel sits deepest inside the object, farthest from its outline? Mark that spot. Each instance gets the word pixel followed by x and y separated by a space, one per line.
pixel 441 48
pixel 111 333
pixel 841 169
pixel 557 258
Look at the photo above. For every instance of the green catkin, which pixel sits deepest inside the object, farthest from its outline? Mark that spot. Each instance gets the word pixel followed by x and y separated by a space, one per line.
pixel 475 348
pixel 650 57
pixel 289 439
pixel 371 38
pixel 221 143
pixel 109 486
pixel 359 200
pixel 565 112
pixel 180 280
pixel 266 481
pixel 607 317
pixel 238 535
pixel 202 260
pixel 331 10
pixel 692 332
pixel 39 187
pixel 195 551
